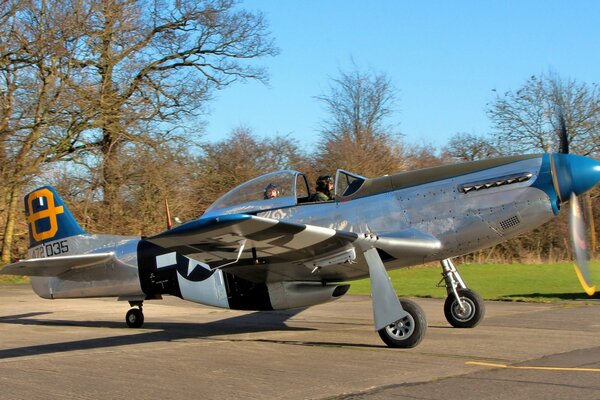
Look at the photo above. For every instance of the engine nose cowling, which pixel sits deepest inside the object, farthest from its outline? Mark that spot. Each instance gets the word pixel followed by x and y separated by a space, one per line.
pixel 573 173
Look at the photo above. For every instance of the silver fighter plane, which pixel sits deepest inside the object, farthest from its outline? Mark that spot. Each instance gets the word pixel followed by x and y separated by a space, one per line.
pixel 250 251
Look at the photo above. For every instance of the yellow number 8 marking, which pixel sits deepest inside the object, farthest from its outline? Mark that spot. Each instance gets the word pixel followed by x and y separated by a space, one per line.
pixel 50 212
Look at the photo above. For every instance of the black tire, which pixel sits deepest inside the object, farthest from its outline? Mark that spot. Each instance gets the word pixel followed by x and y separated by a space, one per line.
pixel 407 332
pixel 471 316
pixel 134 318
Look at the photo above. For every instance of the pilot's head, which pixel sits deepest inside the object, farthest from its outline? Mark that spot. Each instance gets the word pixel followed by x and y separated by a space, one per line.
pixel 271 191
pixel 325 184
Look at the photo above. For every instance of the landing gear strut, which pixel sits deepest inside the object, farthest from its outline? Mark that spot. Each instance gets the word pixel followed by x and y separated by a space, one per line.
pixel 135 316
pixel 400 323
pixel 463 308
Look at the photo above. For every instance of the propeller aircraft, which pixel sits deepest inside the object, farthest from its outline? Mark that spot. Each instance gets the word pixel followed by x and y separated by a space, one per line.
pixel 250 251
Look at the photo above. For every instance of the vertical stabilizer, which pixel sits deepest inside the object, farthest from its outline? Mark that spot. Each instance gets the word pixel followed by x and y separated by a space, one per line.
pixel 48 217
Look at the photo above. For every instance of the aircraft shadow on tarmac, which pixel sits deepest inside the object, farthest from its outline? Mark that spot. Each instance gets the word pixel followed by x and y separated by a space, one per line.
pixel 161 332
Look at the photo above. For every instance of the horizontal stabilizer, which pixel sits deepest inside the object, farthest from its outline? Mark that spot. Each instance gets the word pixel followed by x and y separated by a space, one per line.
pixel 55 266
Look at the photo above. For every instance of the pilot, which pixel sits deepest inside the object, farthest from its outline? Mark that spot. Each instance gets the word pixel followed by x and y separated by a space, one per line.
pixel 271 191
pixel 324 189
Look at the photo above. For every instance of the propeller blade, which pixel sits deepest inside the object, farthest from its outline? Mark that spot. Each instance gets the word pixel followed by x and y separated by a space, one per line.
pixel 562 130
pixel 168 215
pixel 578 240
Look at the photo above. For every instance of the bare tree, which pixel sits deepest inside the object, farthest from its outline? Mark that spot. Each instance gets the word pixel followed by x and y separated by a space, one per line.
pixel 7 104
pixel 470 147
pixel 35 104
pixel 87 77
pixel 355 136
pixel 155 64
pixel 417 156
pixel 241 157
pixel 525 120
pixel 154 173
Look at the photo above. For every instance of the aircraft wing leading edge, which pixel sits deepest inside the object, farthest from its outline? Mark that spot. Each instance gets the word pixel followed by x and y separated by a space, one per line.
pixel 221 241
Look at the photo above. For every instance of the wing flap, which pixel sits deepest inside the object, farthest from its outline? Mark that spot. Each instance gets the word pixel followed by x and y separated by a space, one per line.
pixel 55 266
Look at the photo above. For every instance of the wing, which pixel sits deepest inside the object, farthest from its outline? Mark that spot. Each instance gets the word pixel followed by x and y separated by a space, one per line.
pixel 54 266
pixel 251 245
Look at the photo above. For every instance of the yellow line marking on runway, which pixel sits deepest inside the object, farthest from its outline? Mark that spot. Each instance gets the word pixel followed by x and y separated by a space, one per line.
pixel 533 368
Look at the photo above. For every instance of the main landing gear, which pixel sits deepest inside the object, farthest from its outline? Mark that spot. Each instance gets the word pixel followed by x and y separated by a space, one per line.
pixel 463 307
pixel 135 316
pixel 408 331
pixel 400 323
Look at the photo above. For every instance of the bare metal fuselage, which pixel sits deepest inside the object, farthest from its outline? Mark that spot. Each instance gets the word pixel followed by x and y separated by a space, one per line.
pixel 119 278
pixel 463 221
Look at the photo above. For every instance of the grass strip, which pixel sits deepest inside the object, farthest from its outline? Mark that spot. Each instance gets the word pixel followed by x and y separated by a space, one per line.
pixel 512 282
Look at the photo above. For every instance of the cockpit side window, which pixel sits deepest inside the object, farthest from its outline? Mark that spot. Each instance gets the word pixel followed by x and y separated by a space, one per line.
pixel 347 183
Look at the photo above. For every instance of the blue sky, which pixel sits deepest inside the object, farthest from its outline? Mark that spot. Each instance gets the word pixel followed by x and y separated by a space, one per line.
pixel 443 57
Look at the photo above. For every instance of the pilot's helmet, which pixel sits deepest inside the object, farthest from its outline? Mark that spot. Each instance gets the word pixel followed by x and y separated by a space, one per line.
pixel 271 191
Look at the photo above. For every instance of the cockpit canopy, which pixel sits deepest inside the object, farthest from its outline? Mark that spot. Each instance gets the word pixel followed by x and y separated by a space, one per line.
pixel 251 196
pixel 291 189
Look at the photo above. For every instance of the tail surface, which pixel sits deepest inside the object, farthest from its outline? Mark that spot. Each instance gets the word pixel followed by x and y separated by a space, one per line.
pixel 48 217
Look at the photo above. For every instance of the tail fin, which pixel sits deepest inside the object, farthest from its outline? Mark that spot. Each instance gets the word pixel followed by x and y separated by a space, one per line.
pixel 48 217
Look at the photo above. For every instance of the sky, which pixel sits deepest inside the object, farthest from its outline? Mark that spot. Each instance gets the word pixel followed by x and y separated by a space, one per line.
pixel 444 59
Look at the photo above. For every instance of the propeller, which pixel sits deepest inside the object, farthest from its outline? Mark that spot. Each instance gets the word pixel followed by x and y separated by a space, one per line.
pixel 577 233
pixel 568 170
pixel 168 215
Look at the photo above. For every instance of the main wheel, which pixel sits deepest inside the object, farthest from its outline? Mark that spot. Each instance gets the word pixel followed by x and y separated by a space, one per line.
pixel 408 331
pixel 471 313
pixel 134 318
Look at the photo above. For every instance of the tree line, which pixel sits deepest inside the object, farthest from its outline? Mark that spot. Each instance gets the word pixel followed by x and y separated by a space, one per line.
pixel 94 92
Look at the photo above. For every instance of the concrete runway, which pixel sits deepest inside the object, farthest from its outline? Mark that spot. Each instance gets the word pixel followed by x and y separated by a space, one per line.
pixel 67 349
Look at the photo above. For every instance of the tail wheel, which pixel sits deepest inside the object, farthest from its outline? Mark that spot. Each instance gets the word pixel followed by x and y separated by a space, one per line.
pixel 470 314
pixel 407 332
pixel 134 318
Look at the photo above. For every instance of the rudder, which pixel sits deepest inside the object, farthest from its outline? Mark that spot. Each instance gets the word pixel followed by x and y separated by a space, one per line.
pixel 48 218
